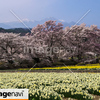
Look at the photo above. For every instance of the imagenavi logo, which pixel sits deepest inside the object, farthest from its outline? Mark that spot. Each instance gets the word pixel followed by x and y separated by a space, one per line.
pixel 17 94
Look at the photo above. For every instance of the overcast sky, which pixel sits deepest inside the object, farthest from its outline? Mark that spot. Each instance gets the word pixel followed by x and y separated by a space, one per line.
pixel 67 10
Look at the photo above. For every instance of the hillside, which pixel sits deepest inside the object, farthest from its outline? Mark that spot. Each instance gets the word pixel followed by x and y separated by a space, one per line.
pixel 23 31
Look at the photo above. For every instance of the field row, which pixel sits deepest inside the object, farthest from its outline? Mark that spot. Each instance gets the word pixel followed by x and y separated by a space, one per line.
pixel 76 67
pixel 54 86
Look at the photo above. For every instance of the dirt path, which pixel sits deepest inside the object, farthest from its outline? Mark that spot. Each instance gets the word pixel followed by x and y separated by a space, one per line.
pixel 57 71
pixel 96 98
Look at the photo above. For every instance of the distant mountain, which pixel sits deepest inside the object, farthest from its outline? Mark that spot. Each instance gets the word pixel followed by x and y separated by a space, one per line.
pixel 4 25
pixel 31 24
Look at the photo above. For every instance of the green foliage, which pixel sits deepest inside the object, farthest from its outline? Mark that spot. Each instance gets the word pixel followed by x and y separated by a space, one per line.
pixel 23 31
pixel 3 65
pixel 82 63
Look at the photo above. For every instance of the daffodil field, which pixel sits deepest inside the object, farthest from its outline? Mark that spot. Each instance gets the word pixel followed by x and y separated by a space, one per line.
pixel 54 86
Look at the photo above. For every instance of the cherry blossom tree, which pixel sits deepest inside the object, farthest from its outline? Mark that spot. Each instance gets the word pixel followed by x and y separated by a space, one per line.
pixel 10 46
pixel 83 39
pixel 49 34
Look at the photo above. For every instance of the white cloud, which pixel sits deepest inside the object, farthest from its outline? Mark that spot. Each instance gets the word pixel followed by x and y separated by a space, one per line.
pixel 61 20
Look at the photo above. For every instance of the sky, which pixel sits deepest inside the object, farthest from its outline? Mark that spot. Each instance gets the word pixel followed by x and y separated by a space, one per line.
pixel 66 10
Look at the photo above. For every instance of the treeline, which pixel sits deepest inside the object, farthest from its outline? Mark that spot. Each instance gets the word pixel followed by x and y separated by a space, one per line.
pixel 23 31
pixel 50 45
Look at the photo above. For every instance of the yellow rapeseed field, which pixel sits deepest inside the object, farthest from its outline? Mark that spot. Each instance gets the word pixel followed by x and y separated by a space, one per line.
pixel 88 66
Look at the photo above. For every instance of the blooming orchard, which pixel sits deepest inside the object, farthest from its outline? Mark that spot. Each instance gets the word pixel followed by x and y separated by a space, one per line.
pixel 50 43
